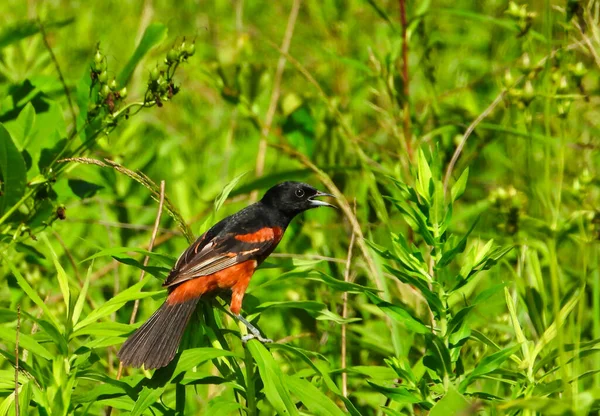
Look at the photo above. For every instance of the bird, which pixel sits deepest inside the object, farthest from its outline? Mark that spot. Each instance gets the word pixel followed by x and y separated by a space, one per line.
pixel 224 257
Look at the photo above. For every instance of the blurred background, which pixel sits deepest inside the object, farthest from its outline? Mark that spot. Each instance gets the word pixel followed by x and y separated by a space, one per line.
pixel 341 94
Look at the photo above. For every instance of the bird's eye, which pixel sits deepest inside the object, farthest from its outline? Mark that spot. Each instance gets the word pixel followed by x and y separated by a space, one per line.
pixel 299 193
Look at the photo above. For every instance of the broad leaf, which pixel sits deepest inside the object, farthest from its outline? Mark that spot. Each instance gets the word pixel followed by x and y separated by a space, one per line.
pixel 12 170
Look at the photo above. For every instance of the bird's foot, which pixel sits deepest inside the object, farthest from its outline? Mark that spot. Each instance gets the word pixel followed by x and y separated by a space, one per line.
pixel 258 337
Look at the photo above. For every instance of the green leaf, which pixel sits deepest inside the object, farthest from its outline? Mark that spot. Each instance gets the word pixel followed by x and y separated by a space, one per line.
pixel 398 394
pixel 26 342
pixel 63 280
pixel 153 35
pixel 222 406
pixel 459 187
pixel 83 189
pixel 115 303
pixel 227 190
pixel 438 356
pixel 122 252
pixel 453 403
pixel 315 364
pixel 21 129
pixel 457 320
pixel 12 171
pixel 81 298
pixel 374 371
pixel 451 253
pixel 337 284
pixel 432 298
pixel 147 398
pixel 29 291
pixel 540 405
pixel 196 356
pixel 275 388
pixel 399 315
pixel 488 364
pixel 424 176
pixel 24 29
pixel 313 398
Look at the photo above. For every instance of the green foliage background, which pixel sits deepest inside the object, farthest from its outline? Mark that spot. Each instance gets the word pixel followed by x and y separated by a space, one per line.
pixel 479 296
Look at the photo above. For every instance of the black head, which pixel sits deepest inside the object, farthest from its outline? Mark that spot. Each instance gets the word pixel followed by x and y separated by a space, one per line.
pixel 292 198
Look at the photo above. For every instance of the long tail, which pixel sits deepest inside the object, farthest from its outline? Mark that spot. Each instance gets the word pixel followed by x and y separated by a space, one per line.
pixel 155 343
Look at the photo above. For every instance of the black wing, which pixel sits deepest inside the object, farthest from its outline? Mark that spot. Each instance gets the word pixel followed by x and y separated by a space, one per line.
pixel 204 258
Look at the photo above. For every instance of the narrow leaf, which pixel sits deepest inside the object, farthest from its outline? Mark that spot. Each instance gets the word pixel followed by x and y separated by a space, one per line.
pixel 459 187
pixel 275 388
pixel 152 36
pixel 12 168
pixel 313 398
pixel 63 280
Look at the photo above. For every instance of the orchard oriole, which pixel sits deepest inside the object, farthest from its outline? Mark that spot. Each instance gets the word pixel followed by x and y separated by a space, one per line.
pixel 224 257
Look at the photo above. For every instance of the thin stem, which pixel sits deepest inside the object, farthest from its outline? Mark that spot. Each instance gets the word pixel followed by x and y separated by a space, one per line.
pixel 60 75
pixel 17 360
pixel 266 128
pixel 250 393
pixel 345 313
pixel 406 78
pixel 18 204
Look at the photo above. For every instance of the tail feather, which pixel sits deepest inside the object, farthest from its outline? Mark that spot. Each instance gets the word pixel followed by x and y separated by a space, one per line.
pixel 155 343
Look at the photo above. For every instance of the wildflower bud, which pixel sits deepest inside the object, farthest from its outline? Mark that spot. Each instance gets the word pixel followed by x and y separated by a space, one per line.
pixel 525 62
pixel 103 77
pixel 563 108
pixel 513 9
pixel 501 192
pixel 528 92
pixel 586 177
pixel 104 91
pixel 163 87
pixel 578 70
pixel 508 78
pixel 113 84
pixel 173 56
pixel 190 49
pixel 162 68
pixel 98 58
pixel 563 84
pixel 123 92
pixel 154 74
pixel 99 66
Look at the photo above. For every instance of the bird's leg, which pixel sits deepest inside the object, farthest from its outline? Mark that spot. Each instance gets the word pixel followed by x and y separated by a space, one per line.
pixel 254 332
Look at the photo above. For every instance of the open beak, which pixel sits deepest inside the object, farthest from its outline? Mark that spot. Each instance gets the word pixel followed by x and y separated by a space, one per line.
pixel 316 203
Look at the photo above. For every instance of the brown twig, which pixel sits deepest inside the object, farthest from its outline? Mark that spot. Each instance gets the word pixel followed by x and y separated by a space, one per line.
pixel 345 312
pixel 266 128
pixel 17 360
pixel 468 132
pixel 136 304
pixel 406 78
pixel 57 66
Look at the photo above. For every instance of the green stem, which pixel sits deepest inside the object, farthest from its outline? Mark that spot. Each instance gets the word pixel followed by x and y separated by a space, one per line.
pixel 250 392
pixel 18 204
pixel 555 284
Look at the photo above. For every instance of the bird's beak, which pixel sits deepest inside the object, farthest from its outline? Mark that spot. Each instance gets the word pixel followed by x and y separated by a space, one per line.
pixel 315 203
